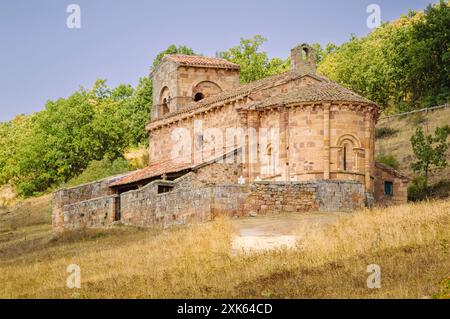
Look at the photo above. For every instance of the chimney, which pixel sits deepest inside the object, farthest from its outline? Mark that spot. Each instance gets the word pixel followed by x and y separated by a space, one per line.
pixel 303 59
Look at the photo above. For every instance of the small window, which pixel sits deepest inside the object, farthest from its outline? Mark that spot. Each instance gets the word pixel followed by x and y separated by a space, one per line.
pixel 164 108
pixel 388 188
pixel 198 97
pixel 198 140
pixel 164 189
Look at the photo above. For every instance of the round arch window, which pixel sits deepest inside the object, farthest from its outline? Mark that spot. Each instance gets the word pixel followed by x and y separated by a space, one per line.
pixel 198 96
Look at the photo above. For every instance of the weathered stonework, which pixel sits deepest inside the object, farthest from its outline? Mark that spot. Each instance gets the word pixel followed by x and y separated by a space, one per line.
pixel 399 182
pixel 320 156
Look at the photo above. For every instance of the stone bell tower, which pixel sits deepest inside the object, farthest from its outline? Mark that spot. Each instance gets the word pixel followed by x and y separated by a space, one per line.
pixel 180 80
pixel 303 59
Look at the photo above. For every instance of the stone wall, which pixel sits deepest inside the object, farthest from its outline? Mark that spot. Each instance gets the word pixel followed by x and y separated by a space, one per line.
pixel 275 197
pixel 191 200
pixel 98 212
pixel 74 195
pixel 145 207
pixel 400 185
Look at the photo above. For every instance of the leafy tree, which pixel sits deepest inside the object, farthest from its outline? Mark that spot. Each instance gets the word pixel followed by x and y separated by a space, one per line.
pixel 430 151
pixel 254 63
pixel 429 70
pixel 401 65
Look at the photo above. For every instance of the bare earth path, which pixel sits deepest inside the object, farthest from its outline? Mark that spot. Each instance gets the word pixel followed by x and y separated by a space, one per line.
pixel 275 231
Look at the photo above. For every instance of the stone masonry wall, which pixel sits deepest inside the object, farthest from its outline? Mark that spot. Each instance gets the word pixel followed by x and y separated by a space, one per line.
pixel 275 197
pixel 98 212
pixel 144 207
pixel 74 195
pixel 400 186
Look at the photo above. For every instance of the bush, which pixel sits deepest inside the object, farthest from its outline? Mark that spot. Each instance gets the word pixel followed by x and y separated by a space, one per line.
pixel 383 132
pixel 417 190
pixel 388 160
pixel 446 128
pixel 100 169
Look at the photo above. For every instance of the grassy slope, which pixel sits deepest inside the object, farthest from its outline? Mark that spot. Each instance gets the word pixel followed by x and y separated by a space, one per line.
pixel 399 144
pixel 410 243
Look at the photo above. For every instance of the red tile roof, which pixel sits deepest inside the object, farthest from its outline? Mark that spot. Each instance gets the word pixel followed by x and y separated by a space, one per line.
pixel 196 60
pixel 317 92
pixel 392 171
pixel 165 167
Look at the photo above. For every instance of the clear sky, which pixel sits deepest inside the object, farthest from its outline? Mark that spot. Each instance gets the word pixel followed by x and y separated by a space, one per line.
pixel 42 59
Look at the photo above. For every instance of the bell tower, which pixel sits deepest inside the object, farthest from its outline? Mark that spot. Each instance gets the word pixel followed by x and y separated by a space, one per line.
pixel 180 81
pixel 303 59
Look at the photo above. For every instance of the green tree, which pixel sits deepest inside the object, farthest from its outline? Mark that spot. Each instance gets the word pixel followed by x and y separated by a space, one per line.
pixel 430 151
pixel 429 70
pixel 401 65
pixel 254 63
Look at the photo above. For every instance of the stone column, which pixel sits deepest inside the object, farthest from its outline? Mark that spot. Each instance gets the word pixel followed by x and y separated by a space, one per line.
pixel 326 140
pixel 284 143
pixel 245 147
pixel 253 138
pixel 367 151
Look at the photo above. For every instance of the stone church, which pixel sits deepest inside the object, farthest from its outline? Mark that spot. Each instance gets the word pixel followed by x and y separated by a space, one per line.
pixel 292 142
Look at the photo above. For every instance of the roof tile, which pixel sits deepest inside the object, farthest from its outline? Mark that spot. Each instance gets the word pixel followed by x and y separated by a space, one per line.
pixel 196 60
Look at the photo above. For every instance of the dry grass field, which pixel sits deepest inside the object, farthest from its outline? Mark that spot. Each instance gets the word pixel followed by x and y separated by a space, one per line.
pixel 410 243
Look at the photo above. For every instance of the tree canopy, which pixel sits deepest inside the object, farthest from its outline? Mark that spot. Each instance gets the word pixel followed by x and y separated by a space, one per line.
pixel 254 63
pixel 401 65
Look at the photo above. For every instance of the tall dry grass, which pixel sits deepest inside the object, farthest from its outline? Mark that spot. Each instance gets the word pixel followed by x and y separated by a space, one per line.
pixel 409 242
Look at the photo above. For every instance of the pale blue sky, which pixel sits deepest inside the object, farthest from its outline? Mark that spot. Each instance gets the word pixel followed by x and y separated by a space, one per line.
pixel 42 59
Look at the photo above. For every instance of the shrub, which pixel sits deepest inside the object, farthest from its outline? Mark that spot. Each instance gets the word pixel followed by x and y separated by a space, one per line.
pixel 383 132
pixel 446 128
pixel 388 160
pixel 417 189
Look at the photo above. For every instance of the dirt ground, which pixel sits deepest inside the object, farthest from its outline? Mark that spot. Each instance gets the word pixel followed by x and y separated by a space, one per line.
pixel 276 231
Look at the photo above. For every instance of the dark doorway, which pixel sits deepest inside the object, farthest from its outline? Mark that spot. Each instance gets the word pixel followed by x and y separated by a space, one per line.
pixel 117 209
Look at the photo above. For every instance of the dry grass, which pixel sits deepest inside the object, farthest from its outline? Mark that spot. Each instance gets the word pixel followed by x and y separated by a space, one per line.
pixel 399 144
pixel 409 242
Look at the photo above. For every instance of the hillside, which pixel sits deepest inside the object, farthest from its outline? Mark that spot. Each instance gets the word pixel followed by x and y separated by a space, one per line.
pixel 403 127
pixel 409 242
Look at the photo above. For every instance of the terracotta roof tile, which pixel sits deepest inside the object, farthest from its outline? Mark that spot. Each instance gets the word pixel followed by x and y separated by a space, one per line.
pixel 165 167
pixel 317 92
pixel 325 90
pixel 243 90
pixel 392 171
pixel 196 60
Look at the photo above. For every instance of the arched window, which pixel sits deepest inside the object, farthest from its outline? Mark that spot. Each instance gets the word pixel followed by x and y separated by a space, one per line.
pixel 348 146
pixel 205 89
pixel 305 54
pixel 198 96
pixel 270 160
pixel 164 101
pixel 164 108
pixel 347 157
